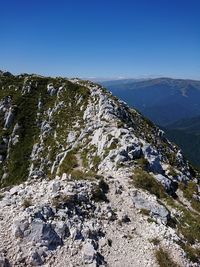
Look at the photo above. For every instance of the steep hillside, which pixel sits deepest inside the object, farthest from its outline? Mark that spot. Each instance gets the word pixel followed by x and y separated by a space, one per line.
pixel 190 144
pixel 37 114
pixel 97 184
pixel 186 134
pixel 190 126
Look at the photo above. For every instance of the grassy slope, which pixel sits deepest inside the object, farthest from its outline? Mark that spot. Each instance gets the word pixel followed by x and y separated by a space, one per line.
pixel 26 109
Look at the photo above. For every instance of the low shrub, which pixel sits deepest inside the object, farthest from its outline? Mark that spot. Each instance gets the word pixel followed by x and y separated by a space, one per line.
pixel 104 186
pixel 63 200
pixel 155 241
pixel 172 172
pixel 99 191
pixel 78 175
pixel 192 253
pixel 189 192
pixel 27 202
pixel 145 212
pixel 189 226
pixel 163 259
pixel 69 163
pixel 143 163
pixel 96 162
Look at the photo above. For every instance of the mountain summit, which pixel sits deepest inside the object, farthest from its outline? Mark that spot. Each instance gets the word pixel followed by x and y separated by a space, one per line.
pixel 88 181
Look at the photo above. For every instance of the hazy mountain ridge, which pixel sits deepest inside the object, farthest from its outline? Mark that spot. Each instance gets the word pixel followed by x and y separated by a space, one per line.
pixel 102 181
pixel 171 103
pixel 163 100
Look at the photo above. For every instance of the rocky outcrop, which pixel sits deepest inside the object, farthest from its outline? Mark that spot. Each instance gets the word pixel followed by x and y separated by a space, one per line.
pixel 150 205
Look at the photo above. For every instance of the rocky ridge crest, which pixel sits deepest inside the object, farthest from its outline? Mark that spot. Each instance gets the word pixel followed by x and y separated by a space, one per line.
pixel 104 186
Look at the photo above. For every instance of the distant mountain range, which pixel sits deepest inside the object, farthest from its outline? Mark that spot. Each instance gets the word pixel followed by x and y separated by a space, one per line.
pixel 163 100
pixel 170 103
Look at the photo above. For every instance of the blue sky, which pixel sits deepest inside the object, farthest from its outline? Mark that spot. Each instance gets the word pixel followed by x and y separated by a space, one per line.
pixel 101 38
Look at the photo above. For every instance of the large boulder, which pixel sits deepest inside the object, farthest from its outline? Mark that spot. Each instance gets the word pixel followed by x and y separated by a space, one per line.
pixel 153 157
pixel 44 234
pixel 169 185
pixel 89 253
pixel 150 204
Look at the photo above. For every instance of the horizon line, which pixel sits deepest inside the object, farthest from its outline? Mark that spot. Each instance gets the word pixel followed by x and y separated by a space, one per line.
pixel 107 78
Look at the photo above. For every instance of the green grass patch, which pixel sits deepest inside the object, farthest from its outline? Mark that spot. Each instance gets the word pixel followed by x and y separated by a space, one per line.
pixel 143 163
pixel 27 202
pixel 69 163
pixel 144 180
pixel 79 175
pixel 191 252
pixel 189 226
pixel 96 162
pixel 189 192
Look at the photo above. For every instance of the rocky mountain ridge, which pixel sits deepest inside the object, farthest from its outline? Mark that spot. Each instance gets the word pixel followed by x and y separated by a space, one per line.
pixel 99 185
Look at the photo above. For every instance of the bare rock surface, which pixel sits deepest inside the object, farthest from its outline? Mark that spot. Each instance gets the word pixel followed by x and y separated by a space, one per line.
pixel 71 228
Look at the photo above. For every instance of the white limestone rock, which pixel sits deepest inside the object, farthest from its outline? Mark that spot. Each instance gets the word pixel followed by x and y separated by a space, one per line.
pixel 89 253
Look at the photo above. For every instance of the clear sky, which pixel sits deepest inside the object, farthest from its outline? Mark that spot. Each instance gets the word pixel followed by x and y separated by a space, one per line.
pixel 101 38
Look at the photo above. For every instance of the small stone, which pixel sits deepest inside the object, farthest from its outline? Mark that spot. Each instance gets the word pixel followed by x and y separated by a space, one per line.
pixel 17 232
pixel 64 177
pixel 14 190
pixel 89 253
pixel 62 229
pixel 36 259
pixel 75 233
pixel 55 187
pixel 102 242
